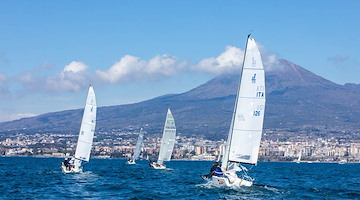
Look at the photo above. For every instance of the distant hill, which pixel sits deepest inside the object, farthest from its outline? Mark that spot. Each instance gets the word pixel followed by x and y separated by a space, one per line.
pixel 296 98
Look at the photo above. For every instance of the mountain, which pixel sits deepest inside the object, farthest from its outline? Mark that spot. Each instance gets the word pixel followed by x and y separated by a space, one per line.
pixel 296 99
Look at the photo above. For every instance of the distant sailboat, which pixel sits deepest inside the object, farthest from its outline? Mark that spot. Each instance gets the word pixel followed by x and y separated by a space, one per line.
pixel 246 128
pixel 86 136
pixel 138 146
pixel 167 142
pixel 299 158
pixel 344 161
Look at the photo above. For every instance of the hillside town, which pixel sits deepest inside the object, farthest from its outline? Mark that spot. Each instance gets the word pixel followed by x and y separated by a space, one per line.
pixel 117 144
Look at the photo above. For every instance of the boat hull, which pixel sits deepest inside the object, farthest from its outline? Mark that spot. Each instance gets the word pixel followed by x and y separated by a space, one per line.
pixel 71 169
pixel 229 180
pixel 130 162
pixel 157 166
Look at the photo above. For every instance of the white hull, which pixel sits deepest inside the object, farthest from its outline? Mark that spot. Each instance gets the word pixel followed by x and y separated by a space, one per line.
pixel 342 162
pixel 71 169
pixel 229 180
pixel 157 166
pixel 130 162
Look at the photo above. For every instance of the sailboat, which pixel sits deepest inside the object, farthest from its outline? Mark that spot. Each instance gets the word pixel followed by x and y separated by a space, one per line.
pixel 299 158
pixel 167 142
pixel 246 127
pixel 138 146
pixel 86 135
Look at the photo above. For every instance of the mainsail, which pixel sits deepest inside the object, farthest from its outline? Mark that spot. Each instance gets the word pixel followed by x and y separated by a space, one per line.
pixel 168 139
pixel 138 145
pixel 87 128
pixel 247 123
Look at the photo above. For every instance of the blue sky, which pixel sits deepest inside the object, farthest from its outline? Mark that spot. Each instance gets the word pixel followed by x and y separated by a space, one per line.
pixel 135 50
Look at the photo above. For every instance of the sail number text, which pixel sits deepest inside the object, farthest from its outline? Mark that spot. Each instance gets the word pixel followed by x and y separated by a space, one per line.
pixel 256 113
pixel 260 91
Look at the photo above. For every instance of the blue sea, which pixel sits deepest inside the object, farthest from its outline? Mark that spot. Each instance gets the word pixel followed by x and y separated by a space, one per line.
pixel 41 178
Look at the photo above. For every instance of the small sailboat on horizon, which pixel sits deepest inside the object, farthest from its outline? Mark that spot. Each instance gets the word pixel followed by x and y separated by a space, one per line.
pixel 246 127
pixel 167 142
pixel 86 136
pixel 299 158
pixel 137 150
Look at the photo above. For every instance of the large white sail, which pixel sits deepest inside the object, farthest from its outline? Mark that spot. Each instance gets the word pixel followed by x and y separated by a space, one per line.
pixel 168 139
pixel 138 145
pixel 246 128
pixel 87 128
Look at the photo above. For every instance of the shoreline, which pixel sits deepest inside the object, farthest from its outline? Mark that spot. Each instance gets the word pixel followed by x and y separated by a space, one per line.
pixel 102 157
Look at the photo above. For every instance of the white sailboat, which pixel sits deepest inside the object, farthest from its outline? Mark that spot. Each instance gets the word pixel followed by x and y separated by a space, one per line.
pixel 299 158
pixel 246 128
pixel 138 146
pixel 167 142
pixel 86 136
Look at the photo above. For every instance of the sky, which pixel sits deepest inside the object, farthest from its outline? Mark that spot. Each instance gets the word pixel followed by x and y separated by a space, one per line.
pixel 130 51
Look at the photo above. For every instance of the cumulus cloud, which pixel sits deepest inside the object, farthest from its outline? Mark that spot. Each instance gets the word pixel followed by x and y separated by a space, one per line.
pixel 73 77
pixel 270 60
pixel 131 68
pixel 75 67
pixel 12 117
pixel 227 61
pixel 231 59
pixel 337 59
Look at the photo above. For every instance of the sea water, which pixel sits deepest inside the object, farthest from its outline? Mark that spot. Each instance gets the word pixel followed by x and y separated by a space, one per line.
pixel 41 178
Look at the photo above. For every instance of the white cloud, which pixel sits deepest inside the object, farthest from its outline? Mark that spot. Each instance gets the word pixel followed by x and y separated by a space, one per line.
pixel 73 77
pixel 131 68
pixel 226 62
pixel 75 67
pixel 270 62
pixel 232 58
pixel 5 118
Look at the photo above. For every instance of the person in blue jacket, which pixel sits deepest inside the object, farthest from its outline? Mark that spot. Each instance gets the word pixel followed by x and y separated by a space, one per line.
pixel 212 171
pixel 218 170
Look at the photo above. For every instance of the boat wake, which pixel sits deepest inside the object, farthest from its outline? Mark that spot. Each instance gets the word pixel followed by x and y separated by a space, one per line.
pixel 210 185
pixel 242 192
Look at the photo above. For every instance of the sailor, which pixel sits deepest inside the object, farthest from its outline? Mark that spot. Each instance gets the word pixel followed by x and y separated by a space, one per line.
pixel 150 162
pixel 66 163
pixel 212 171
pixel 218 170
pixel 71 163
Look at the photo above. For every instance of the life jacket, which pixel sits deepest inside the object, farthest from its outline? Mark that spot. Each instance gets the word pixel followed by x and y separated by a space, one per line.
pixel 218 171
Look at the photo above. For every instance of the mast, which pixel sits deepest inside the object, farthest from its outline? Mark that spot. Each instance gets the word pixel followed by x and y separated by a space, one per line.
pixel 228 145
